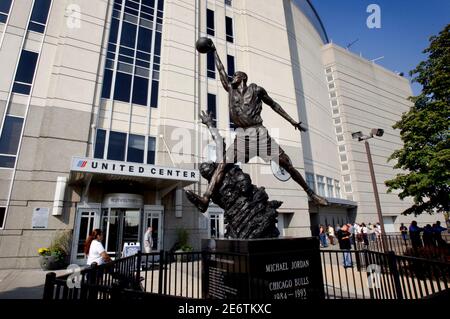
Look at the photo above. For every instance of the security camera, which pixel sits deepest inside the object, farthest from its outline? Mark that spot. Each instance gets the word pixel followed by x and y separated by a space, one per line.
pixel 377 132
pixel 357 135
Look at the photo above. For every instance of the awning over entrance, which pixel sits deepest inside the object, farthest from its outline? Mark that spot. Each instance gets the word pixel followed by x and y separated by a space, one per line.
pixel 86 170
pixel 340 202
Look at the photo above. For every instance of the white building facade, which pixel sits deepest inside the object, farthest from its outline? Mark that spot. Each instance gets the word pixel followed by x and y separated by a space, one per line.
pixel 100 103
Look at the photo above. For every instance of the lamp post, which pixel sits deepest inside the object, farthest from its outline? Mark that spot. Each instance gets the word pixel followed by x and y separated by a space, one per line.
pixel 361 137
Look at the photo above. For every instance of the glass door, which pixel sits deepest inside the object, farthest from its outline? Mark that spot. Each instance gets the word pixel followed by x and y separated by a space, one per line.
pixel 216 224
pixel 86 221
pixel 153 219
pixel 120 226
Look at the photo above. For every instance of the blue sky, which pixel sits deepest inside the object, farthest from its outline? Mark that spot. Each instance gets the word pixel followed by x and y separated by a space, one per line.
pixel 406 26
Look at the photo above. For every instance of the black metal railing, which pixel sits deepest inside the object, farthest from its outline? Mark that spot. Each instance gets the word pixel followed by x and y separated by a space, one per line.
pixel 372 275
pixel 432 248
pixel 377 275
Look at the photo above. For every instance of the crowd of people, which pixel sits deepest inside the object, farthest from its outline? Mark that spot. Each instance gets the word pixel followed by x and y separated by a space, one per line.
pixel 348 235
pixel 359 233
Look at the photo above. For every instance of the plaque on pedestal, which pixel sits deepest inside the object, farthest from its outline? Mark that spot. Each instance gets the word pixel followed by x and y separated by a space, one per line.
pixel 284 268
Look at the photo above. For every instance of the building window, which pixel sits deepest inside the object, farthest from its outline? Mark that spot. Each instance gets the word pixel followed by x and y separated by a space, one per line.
pixel 5 6
pixel 333 94
pixel 330 187
pixel 340 138
pixel 212 108
pixel 337 120
pixel 9 140
pixel 345 167
pixel 212 152
pixel 337 188
pixel 310 181
pixel 229 29
pixel 99 149
pixel 211 67
pixel 39 15
pixel 320 185
pixel 228 3
pixel 230 65
pixel 331 86
pixel 137 74
pixel 328 70
pixel 341 148
pixel 346 178
pixel 25 72
pixel 116 146
pixel 151 150
pixel 136 148
pixel 343 157
pixel 210 22
pixel 348 188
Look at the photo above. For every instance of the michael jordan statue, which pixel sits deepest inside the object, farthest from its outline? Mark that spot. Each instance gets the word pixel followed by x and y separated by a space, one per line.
pixel 245 106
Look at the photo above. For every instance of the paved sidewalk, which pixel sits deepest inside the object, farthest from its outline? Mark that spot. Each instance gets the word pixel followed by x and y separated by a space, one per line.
pixel 23 283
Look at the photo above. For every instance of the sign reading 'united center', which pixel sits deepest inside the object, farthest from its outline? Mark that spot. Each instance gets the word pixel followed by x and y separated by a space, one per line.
pixel 91 165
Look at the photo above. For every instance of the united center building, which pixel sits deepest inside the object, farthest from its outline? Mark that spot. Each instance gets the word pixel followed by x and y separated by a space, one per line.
pixel 100 104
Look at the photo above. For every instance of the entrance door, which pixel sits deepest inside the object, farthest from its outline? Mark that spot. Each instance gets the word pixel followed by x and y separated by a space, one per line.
pixel 153 218
pixel 88 218
pixel 119 226
pixel 215 224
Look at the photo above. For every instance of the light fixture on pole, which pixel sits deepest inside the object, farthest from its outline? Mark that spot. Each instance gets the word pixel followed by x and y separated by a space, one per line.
pixel 361 137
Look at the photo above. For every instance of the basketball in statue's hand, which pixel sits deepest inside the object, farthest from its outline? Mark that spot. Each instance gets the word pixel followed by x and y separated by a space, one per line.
pixel 204 45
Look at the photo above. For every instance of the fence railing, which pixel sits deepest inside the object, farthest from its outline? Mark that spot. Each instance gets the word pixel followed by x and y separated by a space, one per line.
pixel 364 274
pixel 359 274
pixel 428 248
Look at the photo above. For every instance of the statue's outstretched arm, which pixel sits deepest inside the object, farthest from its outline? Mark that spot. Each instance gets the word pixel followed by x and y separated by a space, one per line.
pixel 208 121
pixel 277 108
pixel 222 73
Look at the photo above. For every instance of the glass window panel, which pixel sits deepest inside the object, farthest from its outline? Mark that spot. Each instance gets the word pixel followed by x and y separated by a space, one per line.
pixel 212 107
pixel 123 87
pixel 107 79
pixel 40 11
pixel 230 65
pixel 158 43
pixel 131 11
pixel 10 137
pixel 143 56
pixel 130 18
pixel 3 18
pixel 151 150
pixel 161 5
pixel 140 91
pixel 5 6
pixel 128 36
pixel 154 99
pixel 136 147
pixel 21 88
pixel 229 29
pixel 116 146
pixel 7 161
pixel 150 3
pixel 210 22
pixel 146 9
pixel 310 181
pixel 26 67
pixel 144 40
pixel 2 214
pixel 142 72
pixel 36 27
pixel 132 4
pixel 147 22
pixel 125 67
pixel 126 51
pixel 144 64
pixel 211 69
pixel 100 144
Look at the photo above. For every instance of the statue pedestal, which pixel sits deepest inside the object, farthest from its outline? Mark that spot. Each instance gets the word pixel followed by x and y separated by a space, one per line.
pixel 281 268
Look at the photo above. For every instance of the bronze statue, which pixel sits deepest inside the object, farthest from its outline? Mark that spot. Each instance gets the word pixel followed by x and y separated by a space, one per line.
pixel 245 105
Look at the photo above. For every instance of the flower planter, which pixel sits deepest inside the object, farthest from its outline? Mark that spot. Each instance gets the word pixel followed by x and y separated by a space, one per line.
pixel 51 263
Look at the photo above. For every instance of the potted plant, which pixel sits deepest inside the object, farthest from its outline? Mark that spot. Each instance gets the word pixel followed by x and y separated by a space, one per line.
pixel 57 255
pixel 182 246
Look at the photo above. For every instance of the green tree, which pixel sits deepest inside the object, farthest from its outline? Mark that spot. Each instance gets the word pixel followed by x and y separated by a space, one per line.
pixel 424 129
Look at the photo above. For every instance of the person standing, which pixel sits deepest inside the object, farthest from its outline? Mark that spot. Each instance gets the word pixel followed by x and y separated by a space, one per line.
pixel 343 236
pixel 404 232
pixel 331 234
pixel 323 237
pixel 94 250
pixel 364 235
pixel 414 234
pixel 148 240
pixel 437 230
